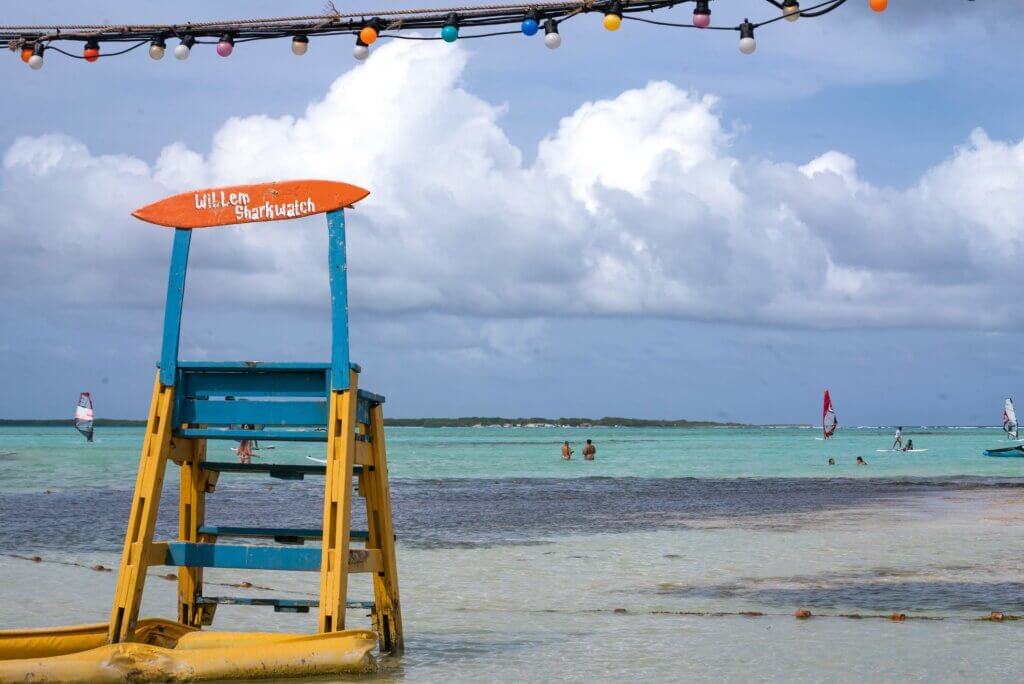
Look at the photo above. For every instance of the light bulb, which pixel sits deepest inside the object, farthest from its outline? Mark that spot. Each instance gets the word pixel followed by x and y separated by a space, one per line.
pixel 878 5
pixel 530 25
pixel 300 44
pixel 747 42
pixel 91 52
pixel 26 54
pixel 226 45
pixel 361 51
pixel 791 10
pixel 613 18
pixel 552 38
pixel 157 48
pixel 702 14
pixel 450 31
pixel 183 49
pixel 36 60
pixel 368 34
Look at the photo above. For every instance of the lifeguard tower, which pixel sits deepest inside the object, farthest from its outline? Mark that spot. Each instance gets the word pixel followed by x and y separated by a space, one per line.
pixel 194 402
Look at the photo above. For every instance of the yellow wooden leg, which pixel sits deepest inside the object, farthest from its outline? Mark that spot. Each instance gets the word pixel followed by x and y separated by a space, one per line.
pixel 341 437
pixel 131 576
pixel 387 614
pixel 191 516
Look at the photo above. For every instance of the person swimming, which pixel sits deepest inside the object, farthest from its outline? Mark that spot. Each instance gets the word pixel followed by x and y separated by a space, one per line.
pixel 566 451
pixel 861 461
pixel 831 461
pixel 589 451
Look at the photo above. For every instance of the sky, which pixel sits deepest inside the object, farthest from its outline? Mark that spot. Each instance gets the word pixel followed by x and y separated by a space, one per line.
pixel 644 224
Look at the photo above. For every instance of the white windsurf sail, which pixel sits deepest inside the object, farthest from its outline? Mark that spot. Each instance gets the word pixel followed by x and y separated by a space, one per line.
pixel 829 422
pixel 83 415
pixel 1010 420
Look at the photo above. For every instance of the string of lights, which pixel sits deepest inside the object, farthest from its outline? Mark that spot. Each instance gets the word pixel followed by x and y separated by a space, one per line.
pixel 450 23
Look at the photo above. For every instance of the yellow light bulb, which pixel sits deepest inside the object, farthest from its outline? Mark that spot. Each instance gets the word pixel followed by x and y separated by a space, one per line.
pixel 612 22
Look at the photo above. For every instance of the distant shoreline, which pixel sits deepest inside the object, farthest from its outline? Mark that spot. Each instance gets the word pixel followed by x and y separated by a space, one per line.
pixel 498 422
pixel 473 421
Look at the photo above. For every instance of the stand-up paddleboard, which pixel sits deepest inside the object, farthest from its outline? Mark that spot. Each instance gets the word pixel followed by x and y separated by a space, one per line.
pixel 314 459
pixel 1006 452
pixel 900 451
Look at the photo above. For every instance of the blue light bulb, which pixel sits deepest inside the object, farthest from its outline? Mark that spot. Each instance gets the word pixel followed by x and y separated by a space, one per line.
pixel 530 26
pixel 450 33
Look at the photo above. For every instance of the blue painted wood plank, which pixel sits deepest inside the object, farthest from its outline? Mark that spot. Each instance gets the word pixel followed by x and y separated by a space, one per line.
pixel 245 366
pixel 294 559
pixel 262 435
pixel 256 383
pixel 269 413
pixel 172 310
pixel 276 602
pixel 280 468
pixel 292 532
pixel 338 270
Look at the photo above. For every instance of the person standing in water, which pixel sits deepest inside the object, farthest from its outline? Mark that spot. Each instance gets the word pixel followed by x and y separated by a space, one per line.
pixel 566 451
pixel 589 451
pixel 861 461
pixel 898 442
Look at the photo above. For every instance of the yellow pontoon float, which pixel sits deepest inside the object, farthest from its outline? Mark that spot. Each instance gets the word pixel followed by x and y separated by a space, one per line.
pixel 194 402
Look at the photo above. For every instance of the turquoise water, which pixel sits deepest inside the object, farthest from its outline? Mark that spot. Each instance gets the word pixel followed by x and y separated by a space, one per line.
pixel 49 458
pixel 518 566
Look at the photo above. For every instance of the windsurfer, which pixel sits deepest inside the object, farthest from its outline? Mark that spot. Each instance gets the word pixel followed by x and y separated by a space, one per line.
pixel 898 442
pixel 589 451
pixel 566 451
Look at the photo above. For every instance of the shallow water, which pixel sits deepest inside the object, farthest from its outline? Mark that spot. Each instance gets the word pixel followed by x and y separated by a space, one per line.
pixel 517 566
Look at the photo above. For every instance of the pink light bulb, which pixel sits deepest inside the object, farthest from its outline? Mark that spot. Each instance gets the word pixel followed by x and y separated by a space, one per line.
pixel 225 48
pixel 701 20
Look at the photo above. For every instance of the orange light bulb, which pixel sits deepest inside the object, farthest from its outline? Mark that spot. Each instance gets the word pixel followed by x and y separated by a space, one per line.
pixel 878 5
pixel 368 35
pixel 26 54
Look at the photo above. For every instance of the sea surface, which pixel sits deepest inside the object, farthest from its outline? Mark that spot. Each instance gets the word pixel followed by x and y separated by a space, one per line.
pixel 678 555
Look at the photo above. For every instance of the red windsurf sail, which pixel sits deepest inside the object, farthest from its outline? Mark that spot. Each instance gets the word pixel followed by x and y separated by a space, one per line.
pixel 828 417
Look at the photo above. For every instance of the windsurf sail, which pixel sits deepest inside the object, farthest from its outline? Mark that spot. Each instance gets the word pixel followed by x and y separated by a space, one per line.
pixel 1010 420
pixel 829 423
pixel 83 415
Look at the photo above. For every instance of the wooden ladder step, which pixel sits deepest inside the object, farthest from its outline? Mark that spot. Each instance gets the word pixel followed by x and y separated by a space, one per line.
pixel 281 535
pixel 286 558
pixel 281 471
pixel 280 605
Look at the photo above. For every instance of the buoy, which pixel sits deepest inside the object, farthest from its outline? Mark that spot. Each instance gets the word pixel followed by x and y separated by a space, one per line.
pixel 802 614
pixel 996 616
pixel 898 617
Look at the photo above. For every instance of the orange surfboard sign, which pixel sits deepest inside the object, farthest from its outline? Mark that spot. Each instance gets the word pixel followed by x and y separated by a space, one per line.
pixel 227 206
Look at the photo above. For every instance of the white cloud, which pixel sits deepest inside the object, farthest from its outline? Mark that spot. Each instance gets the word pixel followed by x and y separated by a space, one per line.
pixel 634 206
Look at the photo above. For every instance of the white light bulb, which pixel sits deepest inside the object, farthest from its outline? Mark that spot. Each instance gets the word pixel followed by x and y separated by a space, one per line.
pixel 300 46
pixel 360 52
pixel 747 46
pixel 182 51
pixel 156 51
pixel 36 61
pixel 553 40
